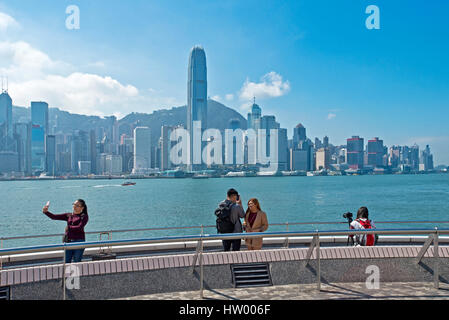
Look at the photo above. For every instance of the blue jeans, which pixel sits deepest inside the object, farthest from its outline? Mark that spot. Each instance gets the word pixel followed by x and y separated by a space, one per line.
pixel 76 254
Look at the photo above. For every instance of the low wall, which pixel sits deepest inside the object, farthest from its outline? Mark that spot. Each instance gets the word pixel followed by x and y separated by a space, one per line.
pixel 145 275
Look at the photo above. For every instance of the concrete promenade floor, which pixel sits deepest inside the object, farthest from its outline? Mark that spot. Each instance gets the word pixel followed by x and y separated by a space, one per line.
pixel 333 291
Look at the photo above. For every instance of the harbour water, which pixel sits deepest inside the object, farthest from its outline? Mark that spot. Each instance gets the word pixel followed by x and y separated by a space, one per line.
pixel 191 202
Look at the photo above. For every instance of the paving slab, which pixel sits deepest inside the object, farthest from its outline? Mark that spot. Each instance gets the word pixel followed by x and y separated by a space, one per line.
pixel 332 291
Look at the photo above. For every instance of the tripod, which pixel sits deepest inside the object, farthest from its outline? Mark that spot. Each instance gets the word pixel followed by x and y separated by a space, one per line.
pixel 350 237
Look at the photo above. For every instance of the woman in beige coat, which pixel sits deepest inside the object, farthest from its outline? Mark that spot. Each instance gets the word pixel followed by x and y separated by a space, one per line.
pixel 255 221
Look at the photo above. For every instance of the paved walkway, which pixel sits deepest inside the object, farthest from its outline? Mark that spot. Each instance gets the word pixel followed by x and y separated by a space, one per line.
pixel 339 291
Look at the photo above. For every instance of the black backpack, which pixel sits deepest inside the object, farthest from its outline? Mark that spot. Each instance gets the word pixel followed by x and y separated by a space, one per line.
pixel 223 213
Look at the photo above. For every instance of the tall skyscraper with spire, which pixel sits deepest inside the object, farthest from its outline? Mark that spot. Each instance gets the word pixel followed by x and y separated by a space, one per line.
pixel 196 99
pixel 6 128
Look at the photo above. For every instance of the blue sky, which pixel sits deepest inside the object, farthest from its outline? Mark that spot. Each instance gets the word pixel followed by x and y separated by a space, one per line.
pixel 312 62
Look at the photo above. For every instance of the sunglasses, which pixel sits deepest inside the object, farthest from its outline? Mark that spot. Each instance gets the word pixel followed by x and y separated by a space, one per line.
pixel 77 205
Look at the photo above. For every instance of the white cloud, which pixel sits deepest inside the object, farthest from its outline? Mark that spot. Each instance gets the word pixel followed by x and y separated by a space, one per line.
pixel 97 64
pixel 229 97
pixel 216 98
pixel 34 76
pixel 77 92
pixel 331 116
pixel 7 22
pixel 20 61
pixel 271 85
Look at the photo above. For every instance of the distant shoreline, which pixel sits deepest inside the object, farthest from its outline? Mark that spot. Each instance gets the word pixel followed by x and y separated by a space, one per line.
pixel 210 177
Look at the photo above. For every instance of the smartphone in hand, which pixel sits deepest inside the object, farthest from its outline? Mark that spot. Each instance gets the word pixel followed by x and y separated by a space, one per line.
pixel 45 209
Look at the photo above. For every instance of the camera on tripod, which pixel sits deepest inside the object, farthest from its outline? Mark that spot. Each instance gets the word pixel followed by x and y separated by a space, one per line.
pixel 348 215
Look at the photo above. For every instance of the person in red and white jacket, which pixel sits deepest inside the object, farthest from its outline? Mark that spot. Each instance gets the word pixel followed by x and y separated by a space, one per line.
pixel 360 223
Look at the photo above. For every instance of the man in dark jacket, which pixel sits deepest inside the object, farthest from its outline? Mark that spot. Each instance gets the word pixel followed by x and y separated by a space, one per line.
pixel 233 199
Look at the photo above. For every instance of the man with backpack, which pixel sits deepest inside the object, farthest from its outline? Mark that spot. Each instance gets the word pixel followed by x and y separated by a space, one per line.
pixel 228 215
pixel 362 222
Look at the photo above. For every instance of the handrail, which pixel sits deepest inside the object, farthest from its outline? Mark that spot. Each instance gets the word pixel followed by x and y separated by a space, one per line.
pixel 213 226
pixel 228 236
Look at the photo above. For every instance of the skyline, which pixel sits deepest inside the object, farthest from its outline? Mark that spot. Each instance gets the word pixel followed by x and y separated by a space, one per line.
pixel 390 83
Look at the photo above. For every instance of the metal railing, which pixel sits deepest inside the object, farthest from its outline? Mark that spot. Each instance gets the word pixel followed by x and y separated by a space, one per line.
pixel 433 236
pixel 202 227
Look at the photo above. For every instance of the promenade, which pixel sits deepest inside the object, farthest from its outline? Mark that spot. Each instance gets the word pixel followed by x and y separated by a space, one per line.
pixel 332 291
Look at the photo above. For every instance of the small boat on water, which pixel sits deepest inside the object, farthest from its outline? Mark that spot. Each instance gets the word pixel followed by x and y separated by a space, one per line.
pixel 128 183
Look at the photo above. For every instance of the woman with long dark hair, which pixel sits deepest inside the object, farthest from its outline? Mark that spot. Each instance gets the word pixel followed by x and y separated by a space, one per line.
pixel 74 232
pixel 255 221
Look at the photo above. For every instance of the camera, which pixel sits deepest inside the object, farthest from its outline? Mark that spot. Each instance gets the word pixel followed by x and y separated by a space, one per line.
pixel 347 215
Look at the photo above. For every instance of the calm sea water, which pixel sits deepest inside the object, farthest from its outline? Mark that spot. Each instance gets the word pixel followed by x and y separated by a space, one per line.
pixel 191 202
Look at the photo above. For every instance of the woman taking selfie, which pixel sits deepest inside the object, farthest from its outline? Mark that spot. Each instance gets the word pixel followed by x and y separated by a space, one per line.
pixel 255 221
pixel 74 232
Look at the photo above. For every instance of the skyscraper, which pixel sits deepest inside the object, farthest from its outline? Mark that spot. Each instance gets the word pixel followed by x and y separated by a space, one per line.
pixel 93 151
pixel 6 129
pixel 165 147
pixel 375 152
pixel 39 122
pixel 142 150
pixel 23 132
pixel 299 134
pixel 80 149
pixel 50 154
pixel 322 159
pixel 426 160
pixel 254 117
pixel 355 152
pixel 414 157
pixel 196 99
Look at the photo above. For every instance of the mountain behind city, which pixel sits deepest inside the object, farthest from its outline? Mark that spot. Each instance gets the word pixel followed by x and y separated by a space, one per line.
pixel 218 117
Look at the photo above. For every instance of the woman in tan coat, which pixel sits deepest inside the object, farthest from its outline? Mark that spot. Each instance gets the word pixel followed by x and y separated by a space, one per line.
pixel 255 221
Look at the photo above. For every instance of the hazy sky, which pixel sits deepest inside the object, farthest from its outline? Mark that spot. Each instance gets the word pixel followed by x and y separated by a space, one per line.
pixel 309 62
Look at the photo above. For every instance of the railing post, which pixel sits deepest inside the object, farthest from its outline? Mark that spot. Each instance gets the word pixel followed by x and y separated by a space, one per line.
pixel 1 258
pixel 201 265
pixel 318 261
pixel 63 274
pixel 436 256
pixel 286 240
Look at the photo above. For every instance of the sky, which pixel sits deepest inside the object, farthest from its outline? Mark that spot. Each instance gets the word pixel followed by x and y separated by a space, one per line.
pixel 309 62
